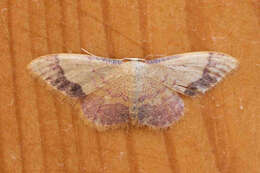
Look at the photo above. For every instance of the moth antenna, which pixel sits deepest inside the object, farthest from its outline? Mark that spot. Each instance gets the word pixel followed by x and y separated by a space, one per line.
pixel 153 56
pixel 87 52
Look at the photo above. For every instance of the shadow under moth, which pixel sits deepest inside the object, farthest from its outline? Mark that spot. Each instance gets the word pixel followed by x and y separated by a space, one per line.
pixel 114 92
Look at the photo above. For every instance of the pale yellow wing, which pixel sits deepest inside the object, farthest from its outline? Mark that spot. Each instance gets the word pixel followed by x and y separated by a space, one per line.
pixel 109 106
pixel 156 105
pixel 191 73
pixel 75 75
pixel 132 97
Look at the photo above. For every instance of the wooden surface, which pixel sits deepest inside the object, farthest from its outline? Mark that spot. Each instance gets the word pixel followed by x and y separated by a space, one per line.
pixel 220 131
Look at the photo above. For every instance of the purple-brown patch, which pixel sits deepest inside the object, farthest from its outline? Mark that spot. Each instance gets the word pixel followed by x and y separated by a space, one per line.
pixel 98 112
pixel 206 80
pixel 161 115
pixel 60 82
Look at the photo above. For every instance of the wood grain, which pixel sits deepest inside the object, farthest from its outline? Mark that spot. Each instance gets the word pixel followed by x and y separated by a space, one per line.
pixel 220 131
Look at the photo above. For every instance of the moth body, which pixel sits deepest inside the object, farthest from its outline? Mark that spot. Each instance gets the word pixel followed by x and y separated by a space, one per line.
pixel 115 92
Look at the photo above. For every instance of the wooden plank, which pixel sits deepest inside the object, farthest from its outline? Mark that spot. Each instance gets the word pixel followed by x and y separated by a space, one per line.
pixel 220 131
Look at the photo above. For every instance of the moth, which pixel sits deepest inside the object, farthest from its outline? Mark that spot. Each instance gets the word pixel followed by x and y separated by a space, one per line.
pixel 116 92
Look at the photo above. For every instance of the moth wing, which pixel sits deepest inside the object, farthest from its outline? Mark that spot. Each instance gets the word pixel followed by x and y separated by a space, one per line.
pixel 156 106
pixel 75 75
pixel 191 73
pixel 108 106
